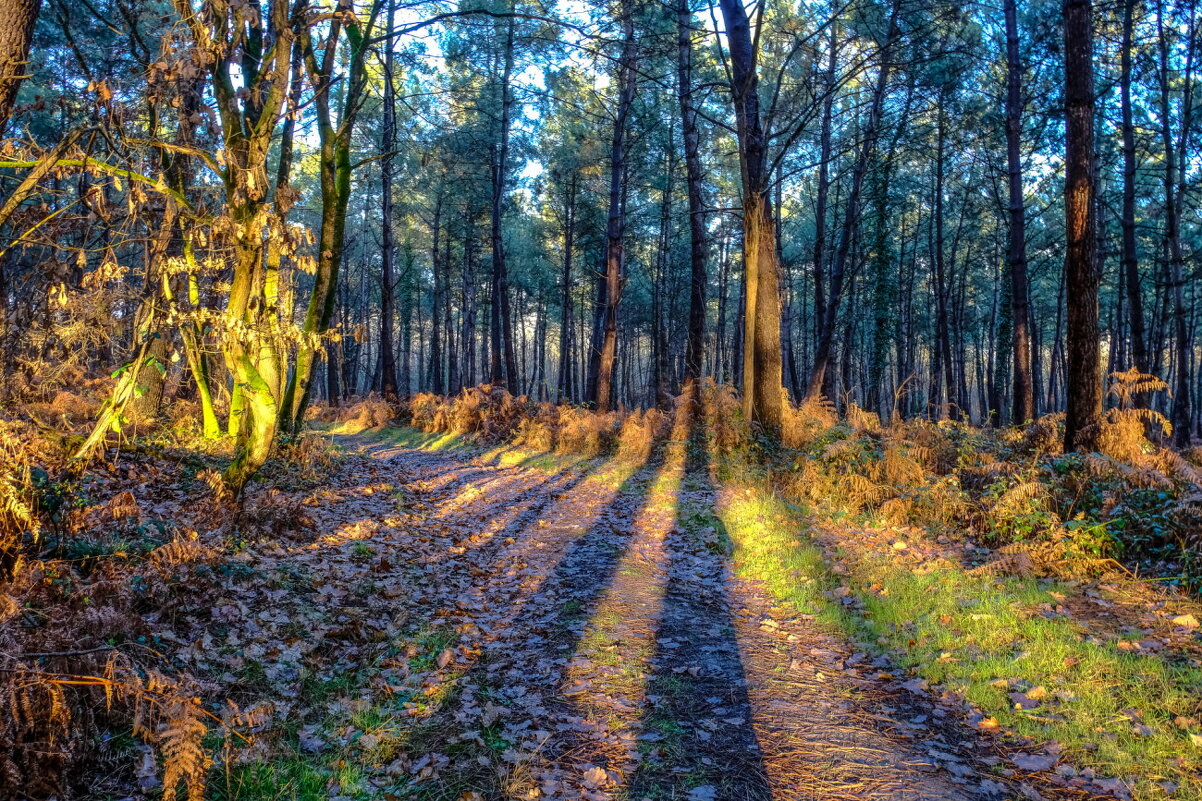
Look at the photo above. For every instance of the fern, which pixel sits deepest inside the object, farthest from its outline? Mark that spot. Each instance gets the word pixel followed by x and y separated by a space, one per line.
pixel 1129 384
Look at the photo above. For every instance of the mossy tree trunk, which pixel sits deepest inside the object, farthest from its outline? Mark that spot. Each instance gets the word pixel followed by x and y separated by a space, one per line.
pixel 336 169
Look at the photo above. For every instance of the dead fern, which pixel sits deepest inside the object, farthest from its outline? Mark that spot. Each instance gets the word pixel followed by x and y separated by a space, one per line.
pixel 1129 385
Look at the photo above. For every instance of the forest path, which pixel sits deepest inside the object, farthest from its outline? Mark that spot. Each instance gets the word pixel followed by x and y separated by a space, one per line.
pixel 605 649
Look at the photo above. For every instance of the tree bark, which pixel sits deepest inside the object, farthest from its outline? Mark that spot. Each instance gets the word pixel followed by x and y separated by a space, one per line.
pixel 614 229
pixel 17 18
pixel 1130 255
pixel 1024 391
pixel 695 349
pixel 762 379
pixel 1081 278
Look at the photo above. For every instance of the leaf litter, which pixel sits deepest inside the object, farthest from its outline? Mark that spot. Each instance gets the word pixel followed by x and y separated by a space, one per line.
pixel 459 629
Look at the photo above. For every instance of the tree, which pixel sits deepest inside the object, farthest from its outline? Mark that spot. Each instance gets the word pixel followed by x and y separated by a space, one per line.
pixel 388 377
pixel 503 369
pixel 1173 153
pixel 1024 389
pixel 1130 253
pixel 1083 416
pixel 694 354
pixel 17 18
pixel 762 380
pixel 614 229
pixel 826 336
pixel 334 132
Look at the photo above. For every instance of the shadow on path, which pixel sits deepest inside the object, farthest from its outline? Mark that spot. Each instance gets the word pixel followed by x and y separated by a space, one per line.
pixel 697 735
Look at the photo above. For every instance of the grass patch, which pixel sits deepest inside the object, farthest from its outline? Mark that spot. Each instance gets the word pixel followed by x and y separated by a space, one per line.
pixel 1113 711
pixel 405 437
pixel 292 778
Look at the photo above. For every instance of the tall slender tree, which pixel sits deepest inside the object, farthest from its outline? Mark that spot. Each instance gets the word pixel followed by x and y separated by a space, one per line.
pixel 762 371
pixel 615 225
pixel 1024 389
pixel 1081 276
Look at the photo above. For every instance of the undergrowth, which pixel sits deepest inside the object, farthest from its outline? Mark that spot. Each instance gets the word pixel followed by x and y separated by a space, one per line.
pixel 84 561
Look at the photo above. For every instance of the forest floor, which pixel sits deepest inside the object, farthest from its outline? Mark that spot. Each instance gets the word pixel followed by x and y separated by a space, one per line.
pixel 438 621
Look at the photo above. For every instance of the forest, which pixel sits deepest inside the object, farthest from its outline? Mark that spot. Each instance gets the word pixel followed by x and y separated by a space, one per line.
pixel 600 399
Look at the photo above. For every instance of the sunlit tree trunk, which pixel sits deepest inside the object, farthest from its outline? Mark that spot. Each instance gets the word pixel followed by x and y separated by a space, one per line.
pixel 17 18
pixel 1081 276
pixel 248 109
pixel 615 226
pixel 335 170
pixel 762 387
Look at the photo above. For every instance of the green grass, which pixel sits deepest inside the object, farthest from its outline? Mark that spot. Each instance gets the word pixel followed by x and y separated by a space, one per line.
pixel 405 437
pixel 972 633
pixel 291 778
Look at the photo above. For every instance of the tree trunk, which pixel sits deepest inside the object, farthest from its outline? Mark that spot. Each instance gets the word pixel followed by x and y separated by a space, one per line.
pixel 1024 391
pixel 436 268
pixel 1180 414
pixel 467 335
pixel 695 349
pixel 563 389
pixel 947 396
pixel 388 379
pixel 504 362
pixel 659 323
pixel 614 229
pixel 824 159
pixel 1081 278
pixel 1130 256
pixel 823 351
pixel 17 18
pixel 762 385
pixel 335 170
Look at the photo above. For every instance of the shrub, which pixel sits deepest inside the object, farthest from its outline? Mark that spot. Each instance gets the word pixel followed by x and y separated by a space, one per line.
pixel 802 425
pixel 587 432
pixel 639 432
pixel 364 413
pixel 724 421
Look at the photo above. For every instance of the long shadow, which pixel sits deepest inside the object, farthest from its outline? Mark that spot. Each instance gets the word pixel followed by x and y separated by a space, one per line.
pixel 559 610
pixel 523 508
pixel 697 728
pixel 571 589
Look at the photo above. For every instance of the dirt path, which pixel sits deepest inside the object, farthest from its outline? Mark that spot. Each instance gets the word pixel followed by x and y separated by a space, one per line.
pixel 592 642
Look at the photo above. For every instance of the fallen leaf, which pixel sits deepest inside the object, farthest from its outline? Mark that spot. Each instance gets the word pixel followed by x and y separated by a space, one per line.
pixel 594 777
pixel 1023 701
pixel 1034 762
